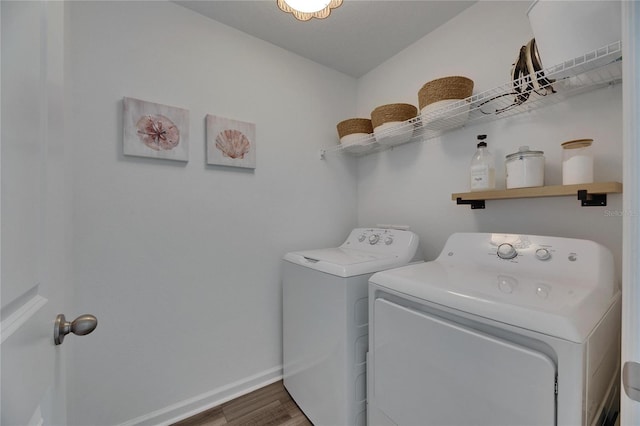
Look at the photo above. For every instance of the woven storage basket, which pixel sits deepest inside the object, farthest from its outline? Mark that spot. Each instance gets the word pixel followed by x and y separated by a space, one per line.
pixel 354 125
pixel 455 87
pixel 392 112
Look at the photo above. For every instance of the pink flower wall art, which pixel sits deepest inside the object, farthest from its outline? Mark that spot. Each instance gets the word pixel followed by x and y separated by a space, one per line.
pixel 231 142
pixel 155 130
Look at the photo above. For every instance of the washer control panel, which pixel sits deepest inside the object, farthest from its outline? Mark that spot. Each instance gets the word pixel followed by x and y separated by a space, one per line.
pixel 381 240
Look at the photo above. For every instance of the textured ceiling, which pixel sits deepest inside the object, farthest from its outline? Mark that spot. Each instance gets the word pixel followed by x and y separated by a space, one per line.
pixel 354 39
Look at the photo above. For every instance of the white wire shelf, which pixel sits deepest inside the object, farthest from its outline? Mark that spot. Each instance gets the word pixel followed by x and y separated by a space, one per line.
pixel 593 70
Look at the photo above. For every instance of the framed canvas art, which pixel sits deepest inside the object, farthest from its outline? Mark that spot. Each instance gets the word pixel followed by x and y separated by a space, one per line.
pixel 155 130
pixel 231 142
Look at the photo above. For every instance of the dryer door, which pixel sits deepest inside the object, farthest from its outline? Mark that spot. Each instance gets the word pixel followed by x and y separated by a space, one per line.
pixel 428 371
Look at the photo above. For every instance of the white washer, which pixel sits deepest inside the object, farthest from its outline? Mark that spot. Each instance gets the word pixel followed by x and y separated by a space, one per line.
pixel 500 329
pixel 325 325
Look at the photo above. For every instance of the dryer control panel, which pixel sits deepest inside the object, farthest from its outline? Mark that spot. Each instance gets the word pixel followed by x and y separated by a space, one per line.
pixel 545 258
pixel 558 286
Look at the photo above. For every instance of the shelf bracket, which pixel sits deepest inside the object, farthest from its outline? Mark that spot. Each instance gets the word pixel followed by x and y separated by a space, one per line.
pixel 475 204
pixel 591 200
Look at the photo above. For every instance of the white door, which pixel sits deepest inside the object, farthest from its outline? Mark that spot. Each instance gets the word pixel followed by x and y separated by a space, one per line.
pixel 34 213
pixel 629 405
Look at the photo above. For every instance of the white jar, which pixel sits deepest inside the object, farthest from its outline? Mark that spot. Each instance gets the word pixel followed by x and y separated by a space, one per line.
pixel 525 168
pixel 577 162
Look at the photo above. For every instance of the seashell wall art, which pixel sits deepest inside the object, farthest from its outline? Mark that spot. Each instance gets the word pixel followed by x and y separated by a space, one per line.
pixel 231 142
pixel 155 130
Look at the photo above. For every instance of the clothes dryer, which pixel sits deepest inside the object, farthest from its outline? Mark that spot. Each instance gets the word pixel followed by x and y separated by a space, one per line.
pixel 325 321
pixel 500 329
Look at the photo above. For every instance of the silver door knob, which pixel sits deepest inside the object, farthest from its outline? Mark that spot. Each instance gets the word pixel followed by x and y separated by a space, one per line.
pixel 631 379
pixel 80 326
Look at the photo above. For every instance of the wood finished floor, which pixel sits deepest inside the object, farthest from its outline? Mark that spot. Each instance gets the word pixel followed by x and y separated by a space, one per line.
pixel 268 406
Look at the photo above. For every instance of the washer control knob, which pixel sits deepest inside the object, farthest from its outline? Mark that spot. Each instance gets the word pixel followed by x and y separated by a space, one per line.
pixel 362 237
pixel 374 239
pixel 506 251
pixel 543 254
pixel 388 241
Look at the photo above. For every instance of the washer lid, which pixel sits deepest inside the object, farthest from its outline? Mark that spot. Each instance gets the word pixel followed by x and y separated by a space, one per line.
pixel 344 262
pixel 569 309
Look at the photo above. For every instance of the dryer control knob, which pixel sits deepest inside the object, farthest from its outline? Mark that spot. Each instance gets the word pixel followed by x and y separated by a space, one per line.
pixel 543 254
pixel 506 251
pixel 362 237
pixel 388 241
pixel 374 239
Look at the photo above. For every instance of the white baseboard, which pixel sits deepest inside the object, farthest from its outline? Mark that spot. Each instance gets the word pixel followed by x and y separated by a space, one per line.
pixel 207 400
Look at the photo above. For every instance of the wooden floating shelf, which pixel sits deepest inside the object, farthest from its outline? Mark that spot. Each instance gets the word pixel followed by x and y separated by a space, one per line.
pixel 591 194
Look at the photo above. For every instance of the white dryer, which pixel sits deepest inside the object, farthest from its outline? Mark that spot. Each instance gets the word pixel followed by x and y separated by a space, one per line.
pixel 325 321
pixel 500 329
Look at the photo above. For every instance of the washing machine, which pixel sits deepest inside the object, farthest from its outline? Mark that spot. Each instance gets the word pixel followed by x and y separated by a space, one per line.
pixel 500 329
pixel 325 324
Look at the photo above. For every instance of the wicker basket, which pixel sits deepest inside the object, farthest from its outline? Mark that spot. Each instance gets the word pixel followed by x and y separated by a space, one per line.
pixel 455 87
pixel 354 125
pixel 392 112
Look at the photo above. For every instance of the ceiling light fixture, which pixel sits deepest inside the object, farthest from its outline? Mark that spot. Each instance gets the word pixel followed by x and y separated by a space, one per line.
pixel 304 10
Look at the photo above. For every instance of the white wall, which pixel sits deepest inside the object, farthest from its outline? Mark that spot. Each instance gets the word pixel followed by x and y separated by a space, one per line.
pixel 181 262
pixel 412 184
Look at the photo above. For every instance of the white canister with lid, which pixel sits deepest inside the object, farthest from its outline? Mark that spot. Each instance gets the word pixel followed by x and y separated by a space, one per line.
pixel 565 30
pixel 525 168
pixel 577 162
